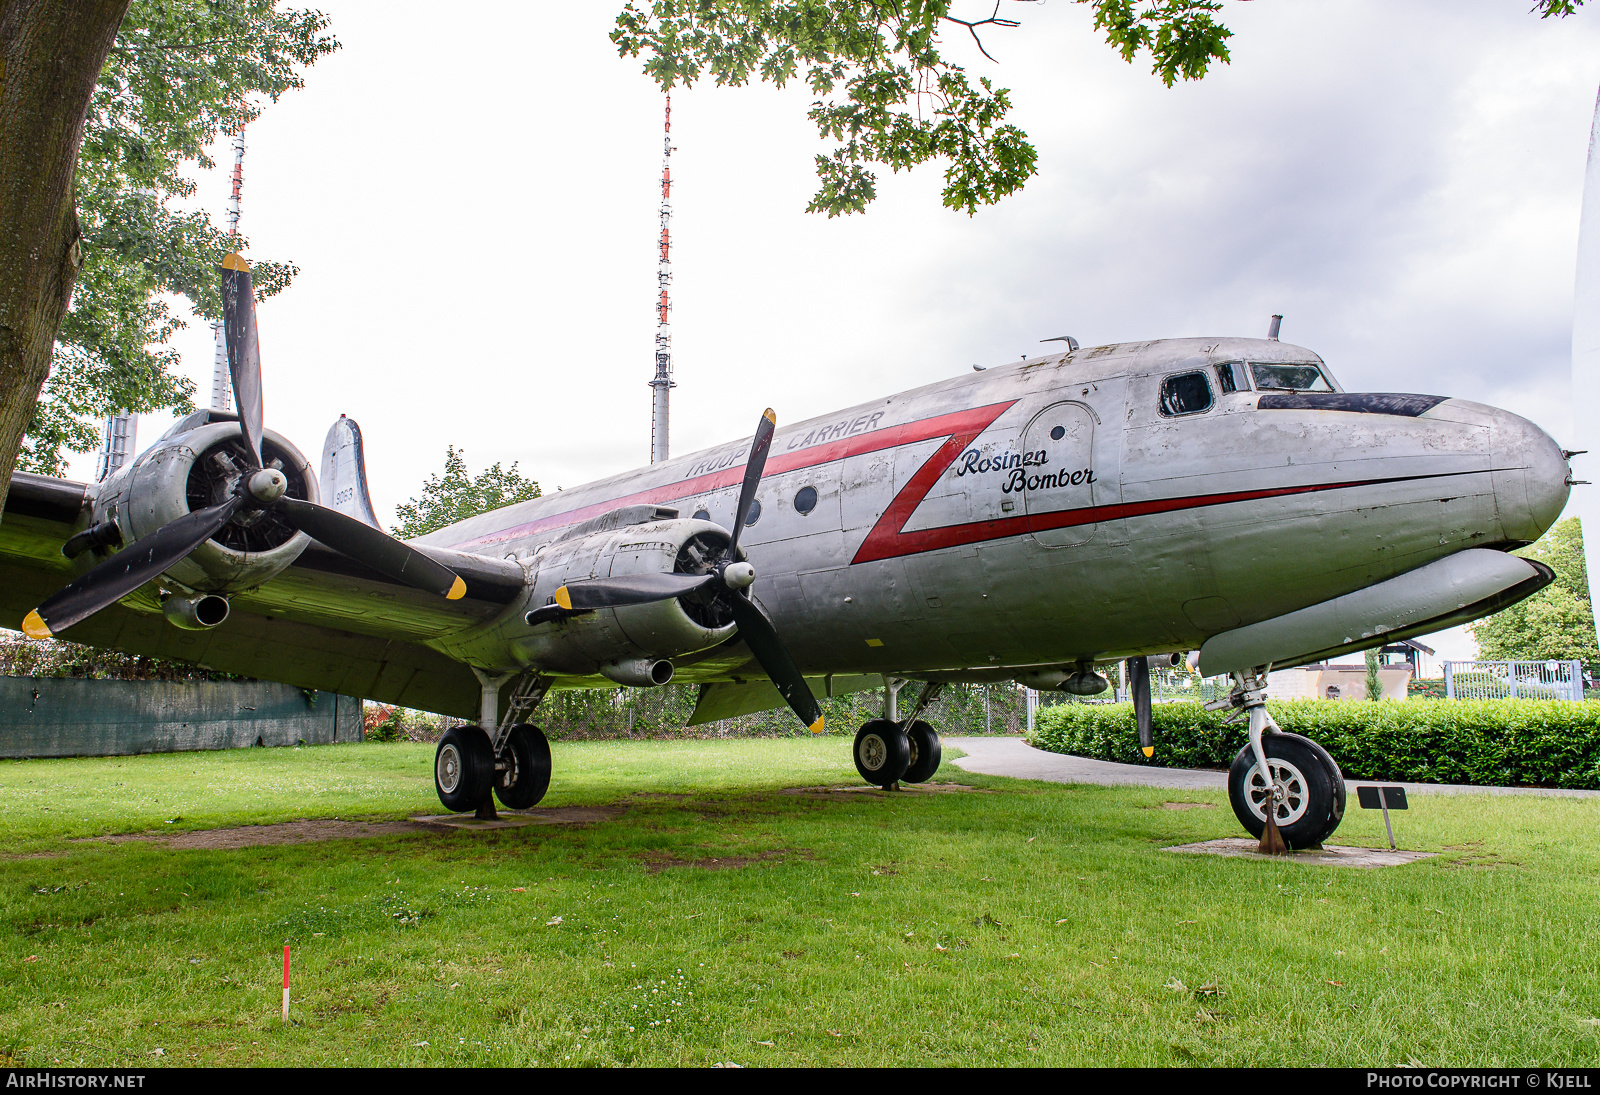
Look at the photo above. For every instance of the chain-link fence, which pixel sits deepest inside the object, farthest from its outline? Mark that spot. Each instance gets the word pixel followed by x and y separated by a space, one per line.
pixel 1177 685
pixel 1547 680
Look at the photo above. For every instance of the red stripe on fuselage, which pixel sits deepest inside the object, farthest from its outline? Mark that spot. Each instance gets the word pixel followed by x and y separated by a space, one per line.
pixel 886 541
pixel 960 426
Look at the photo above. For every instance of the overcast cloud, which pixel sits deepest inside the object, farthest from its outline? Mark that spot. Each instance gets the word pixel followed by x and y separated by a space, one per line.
pixel 472 208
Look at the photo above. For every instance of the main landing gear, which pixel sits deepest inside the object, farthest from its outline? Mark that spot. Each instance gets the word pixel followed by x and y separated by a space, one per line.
pixel 504 758
pixel 1285 789
pixel 890 750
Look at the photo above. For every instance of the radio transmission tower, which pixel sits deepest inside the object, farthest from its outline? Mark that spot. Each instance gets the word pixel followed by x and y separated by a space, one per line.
pixel 221 382
pixel 661 384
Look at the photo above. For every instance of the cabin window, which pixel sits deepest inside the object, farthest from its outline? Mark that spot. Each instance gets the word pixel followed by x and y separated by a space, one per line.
pixel 805 500
pixel 754 515
pixel 1186 393
pixel 1231 376
pixel 1295 378
pixel 702 515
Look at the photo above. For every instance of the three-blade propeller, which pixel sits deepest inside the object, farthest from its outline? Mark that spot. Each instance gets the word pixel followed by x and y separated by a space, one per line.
pixel 256 487
pixel 727 577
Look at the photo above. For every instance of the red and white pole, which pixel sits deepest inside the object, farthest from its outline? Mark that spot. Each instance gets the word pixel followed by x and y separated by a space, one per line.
pixel 286 982
pixel 661 384
pixel 221 381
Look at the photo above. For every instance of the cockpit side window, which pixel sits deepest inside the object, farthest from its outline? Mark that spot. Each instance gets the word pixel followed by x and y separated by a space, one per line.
pixel 1294 378
pixel 1231 375
pixel 1186 393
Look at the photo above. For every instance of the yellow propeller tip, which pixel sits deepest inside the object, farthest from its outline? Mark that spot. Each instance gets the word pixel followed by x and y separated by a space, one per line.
pixel 35 628
pixel 234 262
pixel 769 416
pixel 564 599
pixel 816 727
pixel 458 590
pixel 1148 750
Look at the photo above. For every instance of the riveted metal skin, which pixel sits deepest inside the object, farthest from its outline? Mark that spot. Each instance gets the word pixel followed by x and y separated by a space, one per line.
pixel 154 490
pixel 582 644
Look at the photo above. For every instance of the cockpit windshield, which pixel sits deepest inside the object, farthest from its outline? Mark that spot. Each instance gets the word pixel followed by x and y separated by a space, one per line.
pixel 1295 378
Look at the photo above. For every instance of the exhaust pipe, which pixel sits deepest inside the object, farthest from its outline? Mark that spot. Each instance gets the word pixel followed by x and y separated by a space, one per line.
pixel 639 672
pixel 200 614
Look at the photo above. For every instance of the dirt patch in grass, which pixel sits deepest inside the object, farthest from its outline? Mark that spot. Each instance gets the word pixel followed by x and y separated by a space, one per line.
pixel 657 861
pixel 1473 854
pixel 866 789
pixel 1184 806
pixel 288 832
pixel 317 829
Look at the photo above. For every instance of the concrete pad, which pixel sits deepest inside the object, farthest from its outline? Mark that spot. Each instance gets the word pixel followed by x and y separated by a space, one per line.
pixel 467 821
pixel 1331 855
pixel 516 819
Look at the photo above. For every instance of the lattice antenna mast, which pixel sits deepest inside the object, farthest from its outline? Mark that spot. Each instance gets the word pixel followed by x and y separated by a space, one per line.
pixel 661 384
pixel 221 382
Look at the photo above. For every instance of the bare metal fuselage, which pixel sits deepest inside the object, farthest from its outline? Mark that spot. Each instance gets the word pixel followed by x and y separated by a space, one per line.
pixel 1049 512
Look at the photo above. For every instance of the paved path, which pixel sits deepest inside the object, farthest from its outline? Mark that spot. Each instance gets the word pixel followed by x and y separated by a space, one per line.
pixel 1015 757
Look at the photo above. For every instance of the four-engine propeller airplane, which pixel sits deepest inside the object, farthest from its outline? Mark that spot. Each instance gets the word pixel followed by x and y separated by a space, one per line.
pixel 1030 522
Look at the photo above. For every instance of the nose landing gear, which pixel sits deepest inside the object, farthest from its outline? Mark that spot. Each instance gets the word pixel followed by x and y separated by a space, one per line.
pixel 1285 777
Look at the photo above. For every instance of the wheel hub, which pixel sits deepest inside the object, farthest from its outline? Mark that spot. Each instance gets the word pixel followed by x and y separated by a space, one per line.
pixel 1292 793
pixel 874 752
pixel 448 769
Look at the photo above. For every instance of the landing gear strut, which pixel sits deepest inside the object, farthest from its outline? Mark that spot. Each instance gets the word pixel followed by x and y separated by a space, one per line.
pixel 1284 788
pixel 890 751
pixel 505 758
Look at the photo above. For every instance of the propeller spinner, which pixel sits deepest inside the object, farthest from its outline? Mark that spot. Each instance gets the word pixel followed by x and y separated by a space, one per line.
pixel 729 576
pixel 255 488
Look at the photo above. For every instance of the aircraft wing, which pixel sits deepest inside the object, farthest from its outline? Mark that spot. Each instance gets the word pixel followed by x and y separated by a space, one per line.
pixel 326 622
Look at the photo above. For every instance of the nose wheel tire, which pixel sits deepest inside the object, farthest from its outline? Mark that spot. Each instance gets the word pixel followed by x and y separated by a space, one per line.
pixel 526 775
pixel 1310 804
pixel 925 752
pixel 882 752
pixel 463 768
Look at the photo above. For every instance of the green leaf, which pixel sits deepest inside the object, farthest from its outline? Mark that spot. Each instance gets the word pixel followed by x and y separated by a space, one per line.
pixel 457 495
pixel 180 73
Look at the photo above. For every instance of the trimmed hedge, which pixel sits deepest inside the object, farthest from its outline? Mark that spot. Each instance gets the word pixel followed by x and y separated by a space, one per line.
pixel 1490 743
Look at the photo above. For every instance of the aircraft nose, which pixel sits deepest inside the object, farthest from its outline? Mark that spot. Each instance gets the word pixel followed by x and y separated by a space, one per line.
pixel 1530 476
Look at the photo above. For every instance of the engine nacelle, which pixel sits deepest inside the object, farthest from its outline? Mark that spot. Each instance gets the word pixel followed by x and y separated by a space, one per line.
pixel 616 641
pixel 190 469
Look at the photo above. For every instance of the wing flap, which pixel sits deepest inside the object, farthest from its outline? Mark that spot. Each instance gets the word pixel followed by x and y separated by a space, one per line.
pixel 730 699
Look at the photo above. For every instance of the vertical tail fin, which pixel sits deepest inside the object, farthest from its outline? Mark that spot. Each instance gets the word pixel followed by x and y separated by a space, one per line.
pixel 344 473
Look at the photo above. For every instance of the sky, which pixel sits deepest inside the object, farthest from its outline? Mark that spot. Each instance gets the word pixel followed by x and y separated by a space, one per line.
pixel 473 212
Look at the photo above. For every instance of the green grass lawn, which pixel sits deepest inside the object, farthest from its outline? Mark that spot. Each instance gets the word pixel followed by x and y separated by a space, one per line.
pixel 719 920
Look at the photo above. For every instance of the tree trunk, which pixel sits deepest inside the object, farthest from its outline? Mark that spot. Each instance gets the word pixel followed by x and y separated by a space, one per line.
pixel 51 53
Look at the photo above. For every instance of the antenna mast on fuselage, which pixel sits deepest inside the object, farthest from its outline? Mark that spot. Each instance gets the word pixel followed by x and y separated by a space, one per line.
pixel 661 384
pixel 221 381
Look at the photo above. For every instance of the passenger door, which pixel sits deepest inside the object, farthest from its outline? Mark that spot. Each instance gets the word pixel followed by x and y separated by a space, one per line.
pixel 1066 477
